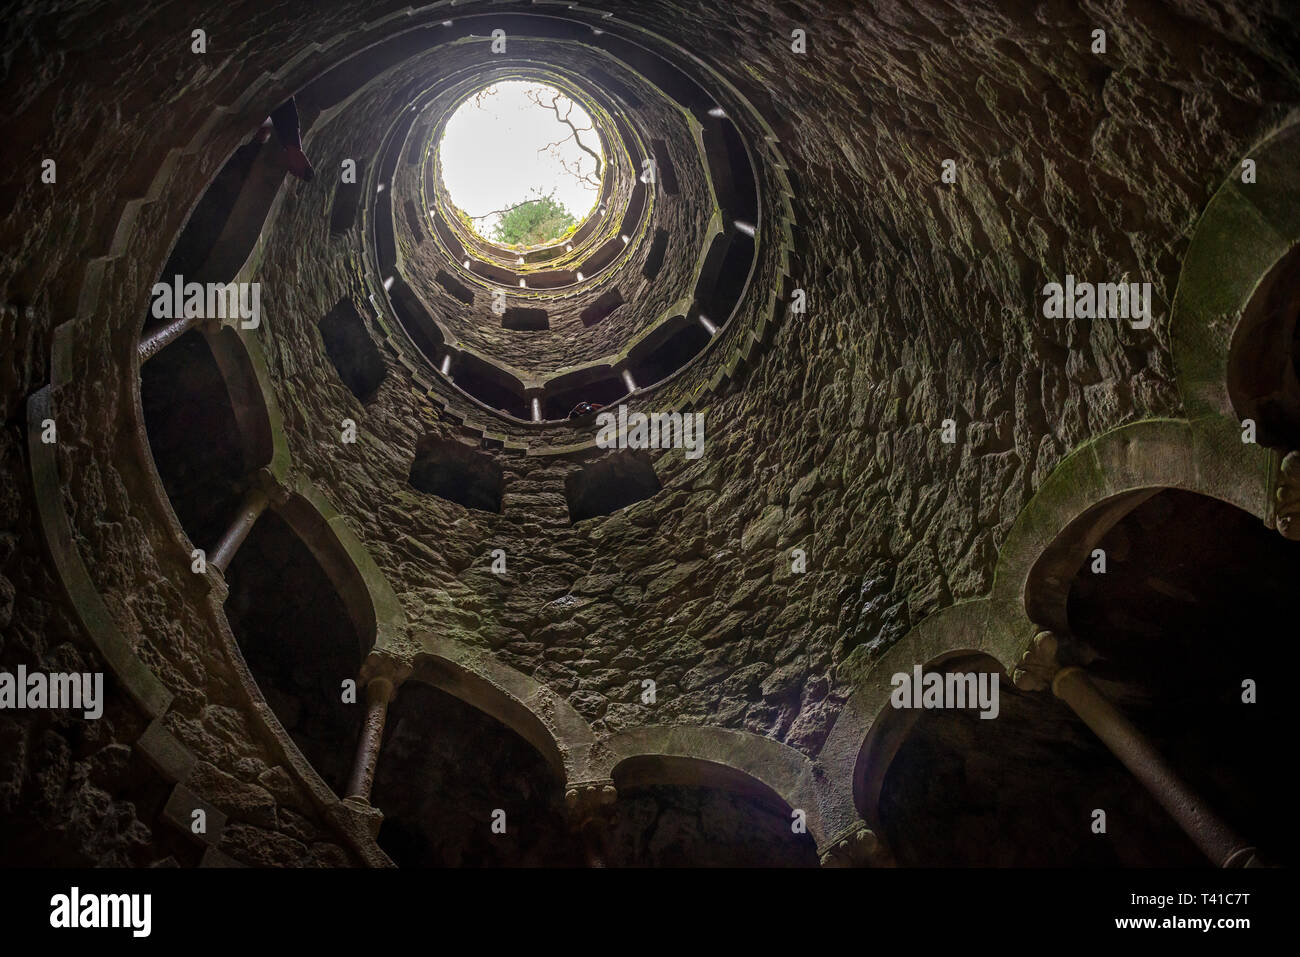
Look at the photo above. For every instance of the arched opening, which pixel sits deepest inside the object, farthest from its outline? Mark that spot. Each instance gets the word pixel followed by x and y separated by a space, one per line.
pixel 491 386
pixel 448 238
pixel 654 259
pixel 663 166
pixel 385 230
pixel 686 813
pixel 457 289
pixel 226 224
pixel 450 470
pixel 497 275
pixel 740 174
pixel 521 163
pixel 525 318
pixel 605 253
pixel 1183 622
pixel 210 215
pixel 635 207
pixel 1016 790
pixel 416 319
pixel 194 430
pixel 616 88
pixel 299 640
pixel 350 348
pixel 444 771
pixel 598 385
pixel 602 308
pixel 1264 358
pixel 413 221
pixel 718 294
pixel 667 349
pixel 551 279
pixel 609 484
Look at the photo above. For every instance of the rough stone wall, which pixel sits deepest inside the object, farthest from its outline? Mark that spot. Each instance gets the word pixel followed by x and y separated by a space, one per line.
pixel 439 807
pixel 925 305
pixel 83 84
pixel 153 597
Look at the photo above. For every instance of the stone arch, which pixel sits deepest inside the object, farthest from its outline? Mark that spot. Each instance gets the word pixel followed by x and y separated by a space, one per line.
pixel 256 435
pixel 249 399
pixel 202 432
pixel 1264 357
pixel 1177 632
pixel 1246 229
pixel 172 758
pixel 891 726
pixel 851 783
pixel 521 703
pixel 717 757
pixel 1115 470
pixel 255 203
pixel 371 602
pixel 457 786
pixel 666 349
pixel 945 787
pixel 303 624
pixel 755 783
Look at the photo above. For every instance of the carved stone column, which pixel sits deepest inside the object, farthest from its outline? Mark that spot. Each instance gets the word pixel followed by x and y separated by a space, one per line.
pixel 590 806
pixel 262 494
pixel 859 846
pixel 159 339
pixel 1041 668
pixel 1287 516
pixel 379 692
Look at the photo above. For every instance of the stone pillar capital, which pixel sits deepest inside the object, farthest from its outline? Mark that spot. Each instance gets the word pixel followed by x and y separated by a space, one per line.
pixel 859 846
pixel 589 799
pixel 1039 663
pixel 363 817
pixel 265 483
pixel 379 690
pixel 255 502
pixel 382 665
pixel 591 805
pixel 1286 516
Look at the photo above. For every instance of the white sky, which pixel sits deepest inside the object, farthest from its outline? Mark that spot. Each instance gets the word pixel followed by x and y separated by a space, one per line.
pixel 491 159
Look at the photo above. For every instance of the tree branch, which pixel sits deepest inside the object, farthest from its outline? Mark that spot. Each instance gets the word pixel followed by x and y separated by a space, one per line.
pixel 509 208
pixel 574 131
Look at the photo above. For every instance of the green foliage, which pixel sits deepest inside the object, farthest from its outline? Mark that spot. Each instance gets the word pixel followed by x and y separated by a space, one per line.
pixel 533 222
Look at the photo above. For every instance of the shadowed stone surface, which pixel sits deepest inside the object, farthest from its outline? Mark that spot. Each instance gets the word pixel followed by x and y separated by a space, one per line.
pixel 924 305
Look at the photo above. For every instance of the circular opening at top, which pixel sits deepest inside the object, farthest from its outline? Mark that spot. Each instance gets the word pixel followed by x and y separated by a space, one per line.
pixel 522 163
